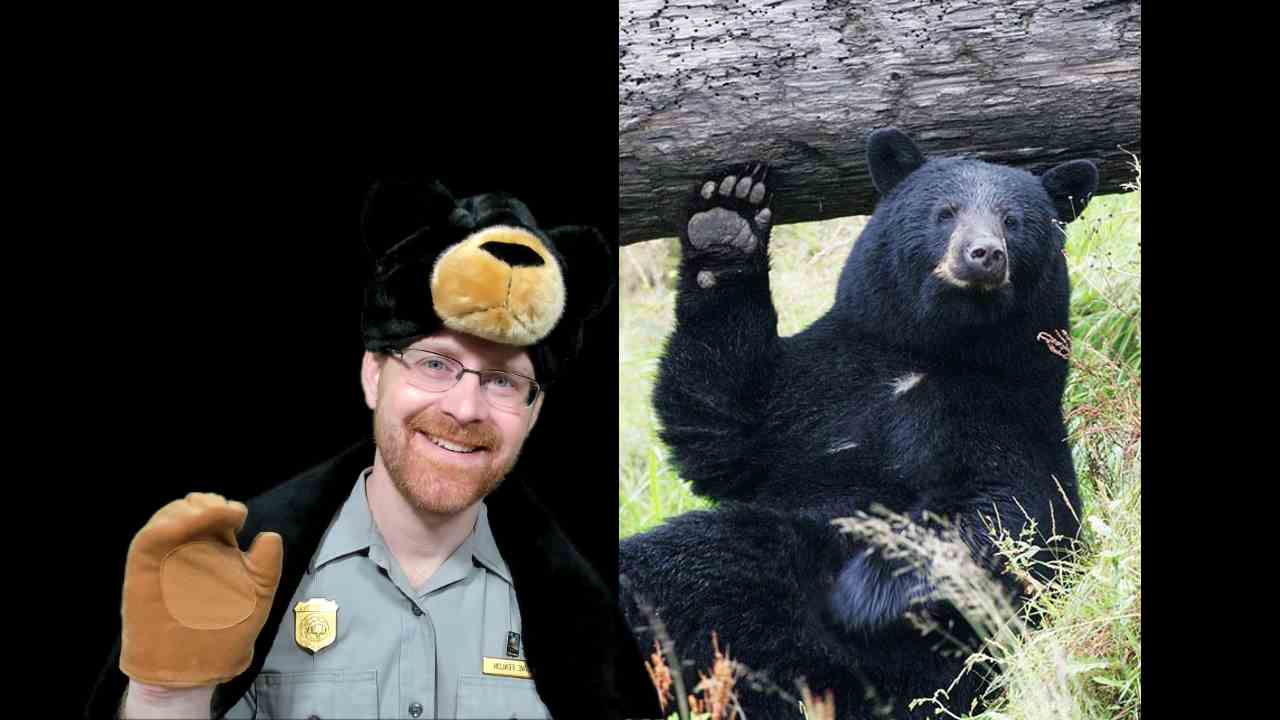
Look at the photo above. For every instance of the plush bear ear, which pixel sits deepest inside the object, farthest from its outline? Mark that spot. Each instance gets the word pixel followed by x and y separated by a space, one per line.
pixel 589 269
pixel 589 272
pixel 891 156
pixel 396 209
pixel 1070 185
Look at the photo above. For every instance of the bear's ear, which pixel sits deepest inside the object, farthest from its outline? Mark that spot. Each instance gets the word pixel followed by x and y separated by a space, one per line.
pixel 396 209
pixel 588 272
pixel 891 156
pixel 1070 185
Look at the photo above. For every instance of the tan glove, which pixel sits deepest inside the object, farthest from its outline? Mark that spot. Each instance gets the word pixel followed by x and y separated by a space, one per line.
pixel 193 603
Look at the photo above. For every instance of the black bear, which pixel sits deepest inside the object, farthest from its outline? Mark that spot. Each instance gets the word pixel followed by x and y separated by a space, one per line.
pixel 923 390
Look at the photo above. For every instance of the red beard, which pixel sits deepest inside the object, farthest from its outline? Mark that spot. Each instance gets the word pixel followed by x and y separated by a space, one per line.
pixel 430 481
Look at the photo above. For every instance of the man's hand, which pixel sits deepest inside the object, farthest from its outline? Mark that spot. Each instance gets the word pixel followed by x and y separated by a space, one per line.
pixel 193 602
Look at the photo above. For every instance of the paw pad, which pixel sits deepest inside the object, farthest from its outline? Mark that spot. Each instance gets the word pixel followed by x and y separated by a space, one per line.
pixel 730 215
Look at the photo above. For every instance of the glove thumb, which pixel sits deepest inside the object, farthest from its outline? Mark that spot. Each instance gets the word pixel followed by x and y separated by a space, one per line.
pixel 265 560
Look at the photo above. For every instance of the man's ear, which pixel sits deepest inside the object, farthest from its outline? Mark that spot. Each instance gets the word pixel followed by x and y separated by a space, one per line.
pixel 537 408
pixel 370 373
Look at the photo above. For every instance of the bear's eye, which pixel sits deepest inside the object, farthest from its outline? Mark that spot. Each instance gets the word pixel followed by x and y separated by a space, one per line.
pixel 946 214
pixel 1010 222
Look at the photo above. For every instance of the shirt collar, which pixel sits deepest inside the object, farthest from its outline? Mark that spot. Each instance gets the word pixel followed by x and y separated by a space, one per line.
pixel 353 531
pixel 485 549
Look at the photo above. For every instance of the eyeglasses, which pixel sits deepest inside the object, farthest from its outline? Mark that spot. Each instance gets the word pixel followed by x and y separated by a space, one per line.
pixel 437 373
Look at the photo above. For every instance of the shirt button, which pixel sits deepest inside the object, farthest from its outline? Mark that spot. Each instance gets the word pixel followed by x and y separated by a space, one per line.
pixel 417 611
pixel 415 709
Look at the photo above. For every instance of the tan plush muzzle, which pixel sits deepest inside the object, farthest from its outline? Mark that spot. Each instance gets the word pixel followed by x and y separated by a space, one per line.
pixel 500 284
pixel 193 602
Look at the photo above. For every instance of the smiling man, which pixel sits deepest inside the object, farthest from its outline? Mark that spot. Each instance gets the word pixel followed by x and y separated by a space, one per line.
pixel 443 450
pixel 403 577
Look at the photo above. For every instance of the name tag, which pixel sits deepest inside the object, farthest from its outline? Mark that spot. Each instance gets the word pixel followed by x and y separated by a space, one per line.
pixel 506 667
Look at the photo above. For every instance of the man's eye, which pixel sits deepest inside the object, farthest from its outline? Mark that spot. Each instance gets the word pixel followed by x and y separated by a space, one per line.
pixel 434 365
pixel 502 382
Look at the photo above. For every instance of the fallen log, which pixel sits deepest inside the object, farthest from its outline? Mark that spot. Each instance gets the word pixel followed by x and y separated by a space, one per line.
pixel 801 83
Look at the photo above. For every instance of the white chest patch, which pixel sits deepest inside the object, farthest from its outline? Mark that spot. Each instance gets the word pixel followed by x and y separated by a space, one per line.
pixel 841 447
pixel 906 382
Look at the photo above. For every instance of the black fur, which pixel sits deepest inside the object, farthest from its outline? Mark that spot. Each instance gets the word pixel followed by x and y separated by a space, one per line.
pixel 794 432
pixel 891 156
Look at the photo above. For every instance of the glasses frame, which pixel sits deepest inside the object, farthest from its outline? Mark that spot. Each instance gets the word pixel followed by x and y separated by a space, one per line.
pixel 533 396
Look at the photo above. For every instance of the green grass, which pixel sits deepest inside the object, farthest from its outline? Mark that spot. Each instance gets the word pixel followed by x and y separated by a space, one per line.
pixel 648 489
pixel 1085 660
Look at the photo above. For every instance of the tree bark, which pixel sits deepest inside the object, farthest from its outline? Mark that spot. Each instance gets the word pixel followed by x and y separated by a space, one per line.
pixel 800 84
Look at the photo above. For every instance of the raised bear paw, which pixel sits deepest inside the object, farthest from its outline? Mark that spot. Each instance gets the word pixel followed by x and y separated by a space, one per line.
pixel 730 217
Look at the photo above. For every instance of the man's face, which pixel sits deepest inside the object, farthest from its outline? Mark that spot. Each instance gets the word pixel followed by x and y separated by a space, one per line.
pixel 446 450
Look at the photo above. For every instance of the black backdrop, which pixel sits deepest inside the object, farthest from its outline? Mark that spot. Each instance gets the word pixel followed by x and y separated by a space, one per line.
pixel 198 290
pixel 134 144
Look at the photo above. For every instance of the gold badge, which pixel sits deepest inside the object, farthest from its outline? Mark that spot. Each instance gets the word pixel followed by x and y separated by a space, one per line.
pixel 506 667
pixel 315 623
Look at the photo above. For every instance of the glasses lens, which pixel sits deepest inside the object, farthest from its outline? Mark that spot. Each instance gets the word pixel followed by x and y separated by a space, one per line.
pixel 506 390
pixel 437 373
pixel 431 371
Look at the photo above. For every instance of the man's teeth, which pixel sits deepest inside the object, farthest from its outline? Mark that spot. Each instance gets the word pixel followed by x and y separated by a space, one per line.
pixel 452 447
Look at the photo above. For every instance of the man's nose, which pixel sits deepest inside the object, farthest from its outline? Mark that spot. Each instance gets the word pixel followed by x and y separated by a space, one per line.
pixel 465 401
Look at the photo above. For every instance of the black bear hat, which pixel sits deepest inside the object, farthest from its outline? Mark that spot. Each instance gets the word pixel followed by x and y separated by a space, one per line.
pixel 481 266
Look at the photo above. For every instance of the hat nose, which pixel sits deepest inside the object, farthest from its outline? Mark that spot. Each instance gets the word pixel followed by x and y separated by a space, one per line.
pixel 985 260
pixel 513 254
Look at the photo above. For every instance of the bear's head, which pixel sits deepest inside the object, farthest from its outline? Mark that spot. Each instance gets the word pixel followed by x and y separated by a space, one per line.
pixel 958 249
pixel 482 266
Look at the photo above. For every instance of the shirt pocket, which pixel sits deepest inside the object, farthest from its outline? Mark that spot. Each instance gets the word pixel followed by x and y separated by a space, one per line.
pixel 482 696
pixel 317 694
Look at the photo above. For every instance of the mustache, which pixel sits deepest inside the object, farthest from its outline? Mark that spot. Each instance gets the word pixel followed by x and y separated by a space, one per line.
pixel 433 422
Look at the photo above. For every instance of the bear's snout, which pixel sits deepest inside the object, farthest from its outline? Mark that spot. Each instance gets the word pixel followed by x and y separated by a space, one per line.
pixel 977 254
pixel 983 260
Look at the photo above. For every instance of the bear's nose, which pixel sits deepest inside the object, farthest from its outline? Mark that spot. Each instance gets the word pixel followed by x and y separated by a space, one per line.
pixel 513 254
pixel 985 260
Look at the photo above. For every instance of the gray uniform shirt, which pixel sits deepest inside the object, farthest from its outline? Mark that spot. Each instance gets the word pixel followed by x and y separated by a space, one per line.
pixel 397 652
